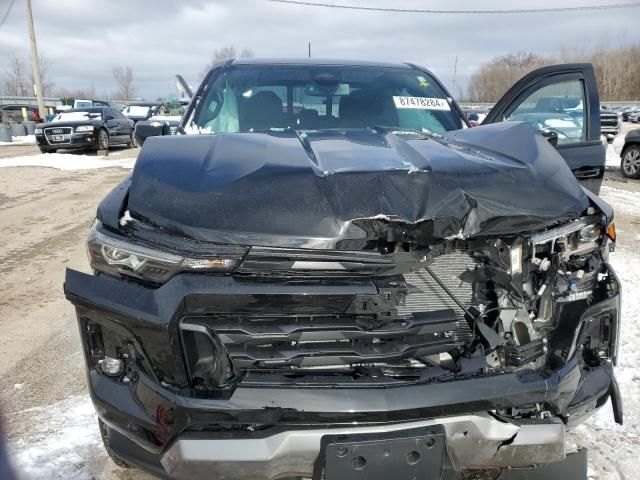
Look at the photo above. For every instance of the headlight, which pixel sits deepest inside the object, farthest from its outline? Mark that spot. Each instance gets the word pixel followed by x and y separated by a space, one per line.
pixel 118 257
pixel 591 233
pixel 84 128
pixel 38 131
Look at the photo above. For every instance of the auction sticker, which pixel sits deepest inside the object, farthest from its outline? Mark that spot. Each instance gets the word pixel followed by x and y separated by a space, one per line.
pixel 422 103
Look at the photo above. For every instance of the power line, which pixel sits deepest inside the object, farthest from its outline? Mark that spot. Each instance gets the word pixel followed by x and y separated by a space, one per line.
pixel 459 12
pixel 4 19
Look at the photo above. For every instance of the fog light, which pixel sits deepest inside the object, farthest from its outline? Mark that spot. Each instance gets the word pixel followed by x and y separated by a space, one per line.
pixel 111 366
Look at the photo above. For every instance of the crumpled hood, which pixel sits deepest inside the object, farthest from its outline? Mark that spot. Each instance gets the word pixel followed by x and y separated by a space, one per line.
pixel 349 189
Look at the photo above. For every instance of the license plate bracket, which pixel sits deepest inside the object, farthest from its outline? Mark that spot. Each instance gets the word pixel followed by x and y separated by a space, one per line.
pixel 398 455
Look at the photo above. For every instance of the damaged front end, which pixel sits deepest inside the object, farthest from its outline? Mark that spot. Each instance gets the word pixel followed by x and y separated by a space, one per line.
pixel 238 354
pixel 517 333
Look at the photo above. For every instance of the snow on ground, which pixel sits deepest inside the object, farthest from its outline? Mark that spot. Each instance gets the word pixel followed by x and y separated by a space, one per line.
pixel 68 161
pixel 613 152
pixel 61 443
pixel 24 140
pixel 614 449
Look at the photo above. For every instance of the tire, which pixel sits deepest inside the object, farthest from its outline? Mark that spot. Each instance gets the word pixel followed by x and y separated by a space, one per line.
pixel 630 162
pixel 103 139
pixel 132 143
pixel 104 434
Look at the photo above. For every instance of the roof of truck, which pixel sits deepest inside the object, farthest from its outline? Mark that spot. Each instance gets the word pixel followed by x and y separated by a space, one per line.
pixel 317 61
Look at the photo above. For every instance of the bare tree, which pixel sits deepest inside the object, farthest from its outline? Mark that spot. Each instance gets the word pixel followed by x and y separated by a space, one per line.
pixel 18 80
pixel 88 92
pixel 15 82
pixel 617 71
pixel 227 52
pixel 124 79
pixel 492 79
pixel 45 79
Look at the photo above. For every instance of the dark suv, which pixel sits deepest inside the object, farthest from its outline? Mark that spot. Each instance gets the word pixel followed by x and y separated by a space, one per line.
pixel 327 274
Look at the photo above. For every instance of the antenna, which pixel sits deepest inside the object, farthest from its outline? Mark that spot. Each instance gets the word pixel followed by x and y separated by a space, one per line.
pixel 455 71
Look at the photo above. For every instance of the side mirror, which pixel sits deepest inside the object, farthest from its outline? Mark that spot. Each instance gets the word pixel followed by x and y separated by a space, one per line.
pixel 551 136
pixel 473 117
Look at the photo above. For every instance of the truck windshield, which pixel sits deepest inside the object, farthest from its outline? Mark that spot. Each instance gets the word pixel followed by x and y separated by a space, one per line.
pixel 276 98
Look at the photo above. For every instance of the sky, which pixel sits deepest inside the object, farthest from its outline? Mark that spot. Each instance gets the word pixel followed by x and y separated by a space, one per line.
pixel 83 40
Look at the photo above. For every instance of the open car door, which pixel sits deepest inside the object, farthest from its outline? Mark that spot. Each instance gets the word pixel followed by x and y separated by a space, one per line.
pixel 562 102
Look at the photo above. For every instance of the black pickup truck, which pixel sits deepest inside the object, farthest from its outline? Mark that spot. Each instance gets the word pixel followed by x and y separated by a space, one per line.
pixel 327 274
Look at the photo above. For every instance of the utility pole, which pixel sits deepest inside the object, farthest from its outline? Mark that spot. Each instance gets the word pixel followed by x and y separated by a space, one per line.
pixel 35 64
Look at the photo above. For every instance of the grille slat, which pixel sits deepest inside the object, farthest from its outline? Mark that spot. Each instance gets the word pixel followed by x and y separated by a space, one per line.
pixel 338 353
pixel 63 131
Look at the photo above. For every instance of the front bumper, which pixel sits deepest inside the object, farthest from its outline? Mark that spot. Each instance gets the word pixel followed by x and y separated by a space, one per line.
pixel 473 441
pixel 297 417
pixel 77 140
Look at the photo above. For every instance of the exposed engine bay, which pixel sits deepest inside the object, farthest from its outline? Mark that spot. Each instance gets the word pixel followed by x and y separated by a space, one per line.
pixel 461 308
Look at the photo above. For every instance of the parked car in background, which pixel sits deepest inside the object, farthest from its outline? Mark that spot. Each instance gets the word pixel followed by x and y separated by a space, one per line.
pixel 475 116
pixel 81 103
pixel 143 111
pixel 13 113
pixel 630 155
pixel 635 117
pixel 628 112
pixel 164 122
pixel 96 128
pixel 325 266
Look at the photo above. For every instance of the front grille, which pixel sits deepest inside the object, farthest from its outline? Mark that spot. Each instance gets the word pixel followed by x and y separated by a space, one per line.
pixel 58 135
pixel 318 341
pixel 609 121
pixel 423 321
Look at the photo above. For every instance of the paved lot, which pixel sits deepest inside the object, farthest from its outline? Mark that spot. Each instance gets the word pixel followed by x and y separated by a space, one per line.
pixel 45 214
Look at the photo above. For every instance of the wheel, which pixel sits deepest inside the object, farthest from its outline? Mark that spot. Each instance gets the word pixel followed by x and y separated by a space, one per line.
pixel 103 140
pixel 104 434
pixel 132 143
pixel 630 163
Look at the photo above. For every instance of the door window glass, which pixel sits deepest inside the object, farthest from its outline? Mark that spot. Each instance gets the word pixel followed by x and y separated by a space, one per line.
pixel 557 108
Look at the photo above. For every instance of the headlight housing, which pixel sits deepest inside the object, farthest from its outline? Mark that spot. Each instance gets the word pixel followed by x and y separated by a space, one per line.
pixel 121 258
pixel 84 128
pixel 591 233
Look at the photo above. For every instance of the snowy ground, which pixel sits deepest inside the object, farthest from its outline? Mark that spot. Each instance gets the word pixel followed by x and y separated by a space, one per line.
pixel 613 152
pixel 61 443
pixel 24 140
pixel 71 161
